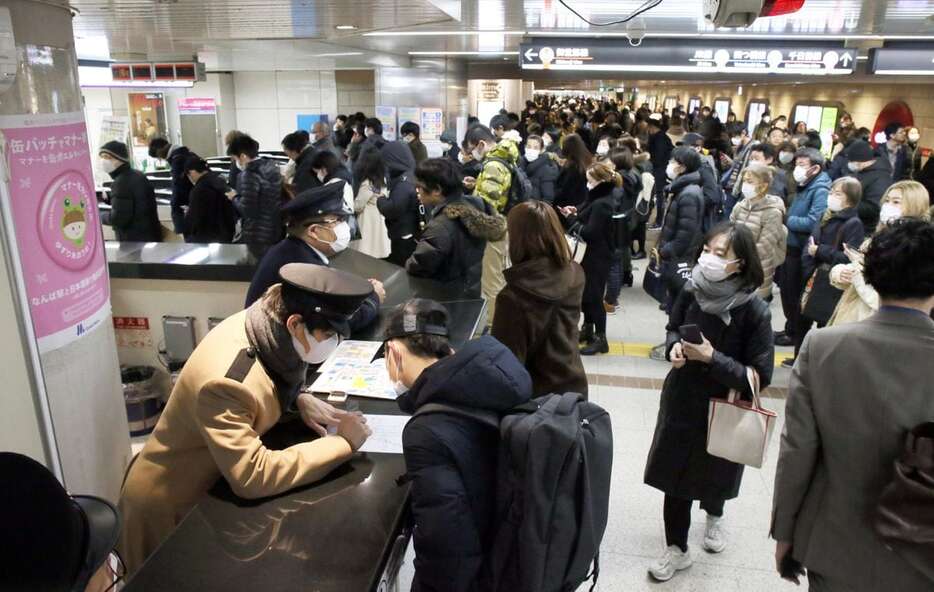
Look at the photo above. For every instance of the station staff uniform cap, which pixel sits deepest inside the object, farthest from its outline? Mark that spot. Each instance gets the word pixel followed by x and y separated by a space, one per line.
pixel 336 294
pixel 420 316
pixel 320 201
pixel 859 151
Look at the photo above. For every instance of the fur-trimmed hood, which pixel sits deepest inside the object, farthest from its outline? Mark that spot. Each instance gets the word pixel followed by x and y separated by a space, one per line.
pixel 478 222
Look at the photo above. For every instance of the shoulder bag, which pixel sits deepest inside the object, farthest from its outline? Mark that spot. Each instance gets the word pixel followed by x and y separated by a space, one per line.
pixel 740 431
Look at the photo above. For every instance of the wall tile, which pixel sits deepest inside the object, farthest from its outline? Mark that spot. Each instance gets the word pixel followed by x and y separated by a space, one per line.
pixel 255 90
pixel 327 78
pixel 299 90
pixel 262 125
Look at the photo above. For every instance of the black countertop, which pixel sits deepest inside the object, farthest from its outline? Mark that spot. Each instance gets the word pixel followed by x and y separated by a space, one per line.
pixel 332 536
pixel 237 263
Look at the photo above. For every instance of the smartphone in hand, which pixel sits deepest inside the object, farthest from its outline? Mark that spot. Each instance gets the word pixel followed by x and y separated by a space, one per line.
pixel 691 334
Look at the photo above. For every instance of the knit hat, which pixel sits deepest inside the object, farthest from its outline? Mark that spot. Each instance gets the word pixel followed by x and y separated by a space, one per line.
pixel 860 151
pixel 116 149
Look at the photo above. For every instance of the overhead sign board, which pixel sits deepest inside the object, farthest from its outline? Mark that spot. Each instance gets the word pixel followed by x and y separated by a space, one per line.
pixel 903 61
pixel 660 55
pixel 197 106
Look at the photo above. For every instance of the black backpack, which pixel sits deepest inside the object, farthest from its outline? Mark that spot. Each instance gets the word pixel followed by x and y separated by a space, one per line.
pixel 520 187
pixel 552 492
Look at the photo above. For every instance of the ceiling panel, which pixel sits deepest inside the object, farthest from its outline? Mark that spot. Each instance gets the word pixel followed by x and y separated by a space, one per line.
pixel 163 29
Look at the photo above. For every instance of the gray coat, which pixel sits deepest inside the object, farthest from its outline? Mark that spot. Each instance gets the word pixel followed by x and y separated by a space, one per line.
pixel 855 391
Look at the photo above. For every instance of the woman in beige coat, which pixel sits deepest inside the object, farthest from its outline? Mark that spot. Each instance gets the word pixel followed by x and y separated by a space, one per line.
pixel 764 215
pixel 905 199
pixel 374 239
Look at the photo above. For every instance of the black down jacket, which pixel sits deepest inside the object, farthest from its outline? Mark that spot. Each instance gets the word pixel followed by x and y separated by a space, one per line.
pixel 543 173
pixel 594 221
pixel 133 215
pixel 210 218
pixel 678 463
pixel 451 461
pixel 401 208
pixel 451 248
pixel 259 191
pixel 834 230
pixel 682 228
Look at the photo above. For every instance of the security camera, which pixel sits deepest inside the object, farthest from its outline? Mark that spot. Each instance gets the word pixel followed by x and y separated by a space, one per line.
pixel 635 32
pixel 732 13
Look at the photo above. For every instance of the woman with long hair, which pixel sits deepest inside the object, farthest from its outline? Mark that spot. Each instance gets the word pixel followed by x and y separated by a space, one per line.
pixel 538 311
pixel 374 238
pixel 571 186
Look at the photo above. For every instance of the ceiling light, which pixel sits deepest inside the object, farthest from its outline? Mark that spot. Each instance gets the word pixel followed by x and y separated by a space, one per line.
pixel 438 33
pixel 346 27
pixel 463 53
pixel 766 36
pixel 338 55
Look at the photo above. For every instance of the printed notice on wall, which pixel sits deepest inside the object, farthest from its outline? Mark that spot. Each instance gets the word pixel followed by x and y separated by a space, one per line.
pixel 53 208
pixel 432 124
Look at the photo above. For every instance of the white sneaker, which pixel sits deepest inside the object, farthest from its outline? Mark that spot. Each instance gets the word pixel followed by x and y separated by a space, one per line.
pixel 714 538
pixel 673 561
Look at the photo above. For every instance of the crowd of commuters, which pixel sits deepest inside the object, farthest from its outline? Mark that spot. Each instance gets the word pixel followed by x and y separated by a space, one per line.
pixel 542 215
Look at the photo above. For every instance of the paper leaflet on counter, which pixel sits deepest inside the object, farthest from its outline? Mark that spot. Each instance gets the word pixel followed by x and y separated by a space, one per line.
pixel 350 371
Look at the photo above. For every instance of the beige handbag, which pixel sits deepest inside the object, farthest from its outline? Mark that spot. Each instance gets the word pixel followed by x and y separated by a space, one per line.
pixel 740 431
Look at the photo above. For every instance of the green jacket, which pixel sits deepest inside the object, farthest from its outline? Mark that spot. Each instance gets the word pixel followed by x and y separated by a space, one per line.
pixel 496 178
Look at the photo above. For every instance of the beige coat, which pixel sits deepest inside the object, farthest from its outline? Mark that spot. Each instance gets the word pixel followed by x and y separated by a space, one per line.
pixel 211 428
pixel 765 217
pixel 374 239
pixel 860 300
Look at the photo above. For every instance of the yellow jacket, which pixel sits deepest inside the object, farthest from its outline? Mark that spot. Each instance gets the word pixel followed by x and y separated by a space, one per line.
pixel 223 402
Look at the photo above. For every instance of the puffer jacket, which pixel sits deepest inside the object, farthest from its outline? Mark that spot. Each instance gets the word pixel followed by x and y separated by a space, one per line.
pixel 682 228
pixel 451 248
pixel 834 230
pixel 210 218
pixel 806 210
pixel 305 178
pixel 594 221
pixel 875 179
pixel 451 461
pixel 764 217
pixel 542 173
pixel 401 208
pixel 259 194
pixel 859 300
pixel 133 213
pixel 537 315
pixel 496 177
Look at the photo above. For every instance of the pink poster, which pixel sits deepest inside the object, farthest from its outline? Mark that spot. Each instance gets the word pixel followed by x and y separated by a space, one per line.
pixel 57 225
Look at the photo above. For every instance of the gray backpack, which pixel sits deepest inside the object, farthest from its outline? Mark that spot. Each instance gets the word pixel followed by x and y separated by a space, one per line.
pixel 552 493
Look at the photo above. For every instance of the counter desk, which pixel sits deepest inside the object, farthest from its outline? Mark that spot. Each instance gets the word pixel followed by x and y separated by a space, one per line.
pixel 346 533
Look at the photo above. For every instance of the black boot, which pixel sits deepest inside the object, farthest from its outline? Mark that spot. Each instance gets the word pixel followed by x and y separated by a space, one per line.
pixel 627 280
pixel 586 336
pixel 597 346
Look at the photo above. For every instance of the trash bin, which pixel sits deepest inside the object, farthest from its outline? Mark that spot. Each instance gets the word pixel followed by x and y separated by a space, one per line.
pixel 143 398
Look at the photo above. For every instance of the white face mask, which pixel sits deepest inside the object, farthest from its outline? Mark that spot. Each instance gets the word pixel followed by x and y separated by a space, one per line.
pixel 445 146
pixel 319 351
pixel 786 157
pixel 397 385
pixel 477 153
pixel 913 138
pixel 889 213
pixel 408 139
pixel 766 119
pixel 532 155
pixel 672 171
pixel 461 157
pixel 713 267
pixel 110 165
pixel 342 230
pixel 591 185
pixel 749 191
pixel 322 176
pixel 736 141
pixel 368 132
pixel 240 165
pixel 800 174
pixel 546 141
pixel 834 203
pixel 854 167
pixel 603 148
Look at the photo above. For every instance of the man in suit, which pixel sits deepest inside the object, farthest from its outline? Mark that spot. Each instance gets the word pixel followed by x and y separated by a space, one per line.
pixel 242 377
pixel 855 391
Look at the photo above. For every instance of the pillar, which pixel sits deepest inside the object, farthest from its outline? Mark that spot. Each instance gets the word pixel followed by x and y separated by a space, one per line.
pixel 62 397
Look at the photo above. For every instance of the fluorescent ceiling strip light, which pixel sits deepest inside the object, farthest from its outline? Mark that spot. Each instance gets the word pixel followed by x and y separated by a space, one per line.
pixel 904 72
pixel 776 37
pixel 439 33
pixel 337 55
pixel 463 53
pixel 680 69
pixel 141 84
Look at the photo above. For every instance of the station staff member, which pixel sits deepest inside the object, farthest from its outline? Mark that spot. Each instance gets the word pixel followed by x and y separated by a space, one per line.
pixel 236 385
pixel 316 222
